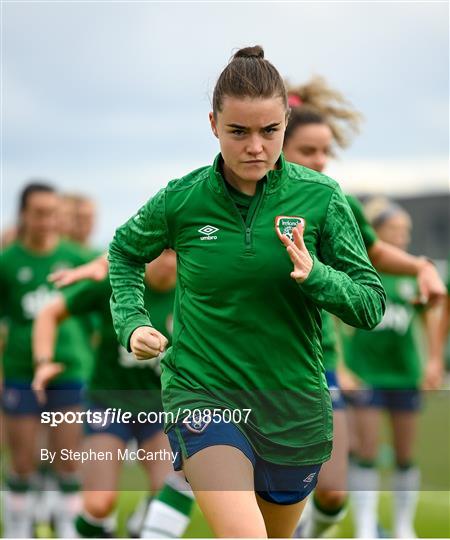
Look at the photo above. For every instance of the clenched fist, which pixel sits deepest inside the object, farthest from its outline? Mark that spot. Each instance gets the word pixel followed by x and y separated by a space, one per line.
pixel 146 342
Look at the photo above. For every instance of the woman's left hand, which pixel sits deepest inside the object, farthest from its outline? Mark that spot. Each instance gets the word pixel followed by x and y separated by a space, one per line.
pixel 434 374
pixel 300 257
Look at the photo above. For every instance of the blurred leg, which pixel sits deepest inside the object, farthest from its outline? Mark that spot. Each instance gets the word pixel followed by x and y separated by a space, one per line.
pixel 68 502
pixel 364 482
pixel 157 470
pixel 406 481
pixel 21 435
pixel 168 514
pixel 100 482
pixel 327 504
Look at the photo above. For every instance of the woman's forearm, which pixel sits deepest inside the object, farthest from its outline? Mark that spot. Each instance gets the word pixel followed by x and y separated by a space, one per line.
pixel 45 329
pixel 392 260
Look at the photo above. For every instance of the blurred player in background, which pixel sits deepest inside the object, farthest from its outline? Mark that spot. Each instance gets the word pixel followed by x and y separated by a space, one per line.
pixel 321 119
pixel 387 360
pixel 85 216
pixel 119 380
pixel 66 215
pixel 76 218
pixel 24 289
pixel 444 325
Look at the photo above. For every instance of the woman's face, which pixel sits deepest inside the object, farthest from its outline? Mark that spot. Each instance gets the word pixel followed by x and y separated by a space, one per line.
pixel 250 133
pixel 396 230
pixel 310 146
pixel 40 215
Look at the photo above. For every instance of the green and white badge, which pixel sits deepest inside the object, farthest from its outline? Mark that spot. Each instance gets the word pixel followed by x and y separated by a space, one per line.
pixel 285 224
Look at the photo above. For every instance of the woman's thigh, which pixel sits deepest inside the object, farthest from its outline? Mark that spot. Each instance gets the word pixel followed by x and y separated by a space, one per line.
pixel 222 480
pixel 21 437
pixel 404 429
pixel 367 424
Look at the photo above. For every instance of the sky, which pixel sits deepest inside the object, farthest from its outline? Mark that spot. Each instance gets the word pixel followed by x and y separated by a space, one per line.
pixel 111 99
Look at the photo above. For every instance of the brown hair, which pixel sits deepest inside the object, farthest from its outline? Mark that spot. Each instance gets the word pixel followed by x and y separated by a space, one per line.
pixel 248 74
pixel 317 103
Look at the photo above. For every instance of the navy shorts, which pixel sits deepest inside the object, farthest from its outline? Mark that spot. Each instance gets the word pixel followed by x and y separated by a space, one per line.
pixel 279 484
pixel 125 431
pixel 406 400
pixel 19 399
pixel 337 400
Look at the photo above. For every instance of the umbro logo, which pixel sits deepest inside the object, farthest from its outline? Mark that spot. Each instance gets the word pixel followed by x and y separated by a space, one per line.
pixel 208 232
pixel 309 478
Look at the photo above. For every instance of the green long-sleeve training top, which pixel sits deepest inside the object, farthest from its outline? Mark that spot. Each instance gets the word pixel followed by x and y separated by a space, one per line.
pixel 246 335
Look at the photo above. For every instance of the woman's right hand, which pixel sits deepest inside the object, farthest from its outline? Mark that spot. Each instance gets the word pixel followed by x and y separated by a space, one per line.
pixel 97 270
pixel 146 342
pixel 348 381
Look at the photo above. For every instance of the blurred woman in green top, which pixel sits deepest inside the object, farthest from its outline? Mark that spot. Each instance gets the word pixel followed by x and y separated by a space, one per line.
pixel 24 290
pixel 388 362
pixel 320 122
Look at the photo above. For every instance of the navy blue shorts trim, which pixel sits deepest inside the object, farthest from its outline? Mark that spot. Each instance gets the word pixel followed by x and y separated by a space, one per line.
pixel 19 399
pixel 337 399
pixel 279 484
pixel 407 400
pixel 125 431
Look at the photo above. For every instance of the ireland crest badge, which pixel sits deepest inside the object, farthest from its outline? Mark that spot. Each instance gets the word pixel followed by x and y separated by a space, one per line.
pixel 285 224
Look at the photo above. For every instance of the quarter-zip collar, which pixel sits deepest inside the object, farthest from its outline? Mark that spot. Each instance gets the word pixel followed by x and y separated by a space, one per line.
pixel 275 177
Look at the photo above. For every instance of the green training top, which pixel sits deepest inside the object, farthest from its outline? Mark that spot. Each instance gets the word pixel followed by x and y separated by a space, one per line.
pixel 24 291
pixel 329 334
pixel 246 335
pixel 118 379
pixel 448 275
pixel 388 356
pixel 368 234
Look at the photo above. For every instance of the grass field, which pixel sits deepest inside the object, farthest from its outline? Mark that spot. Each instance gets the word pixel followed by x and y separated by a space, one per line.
pixel 432 519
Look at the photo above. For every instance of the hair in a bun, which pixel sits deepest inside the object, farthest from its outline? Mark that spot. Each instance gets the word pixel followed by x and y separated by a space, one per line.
pixel 248 75
pixel 250 52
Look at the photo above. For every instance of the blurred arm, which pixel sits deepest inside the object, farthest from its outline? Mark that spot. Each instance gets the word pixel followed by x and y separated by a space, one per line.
pixel 95 270
pixel 45 329
pixel 391 260
pixel 434 368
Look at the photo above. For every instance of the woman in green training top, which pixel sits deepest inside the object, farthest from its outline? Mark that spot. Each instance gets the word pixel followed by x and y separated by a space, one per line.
pixel 263 245
pixel 388 362
pixel 24 290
